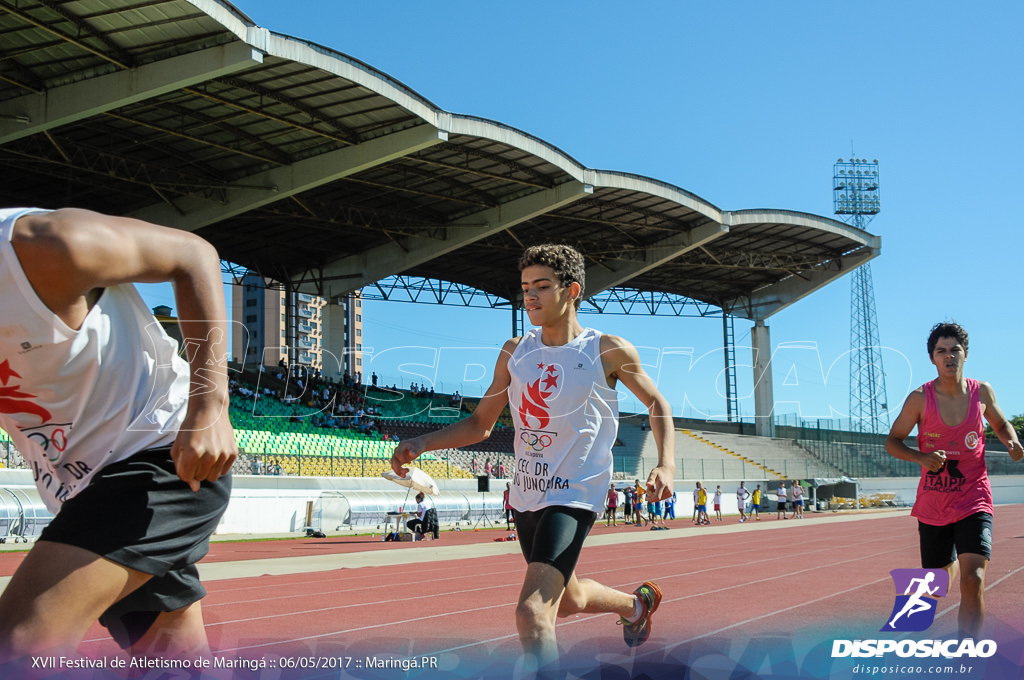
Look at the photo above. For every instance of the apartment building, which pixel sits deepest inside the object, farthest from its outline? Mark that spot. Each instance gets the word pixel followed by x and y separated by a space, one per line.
pixel 321 336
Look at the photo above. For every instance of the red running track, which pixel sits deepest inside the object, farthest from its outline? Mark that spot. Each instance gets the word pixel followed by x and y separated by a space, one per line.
pixel 772 589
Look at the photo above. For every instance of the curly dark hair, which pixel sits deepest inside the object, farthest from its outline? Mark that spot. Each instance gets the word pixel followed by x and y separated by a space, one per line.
pixel 946 329
pixel 566 261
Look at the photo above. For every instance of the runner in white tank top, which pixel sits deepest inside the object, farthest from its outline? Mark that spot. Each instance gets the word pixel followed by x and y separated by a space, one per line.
pixel 559 382
pixel 88 381
pixel 566 421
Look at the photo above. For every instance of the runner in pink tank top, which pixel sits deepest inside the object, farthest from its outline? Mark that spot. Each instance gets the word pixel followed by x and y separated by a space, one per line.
pixel 954 499
pixel 960 488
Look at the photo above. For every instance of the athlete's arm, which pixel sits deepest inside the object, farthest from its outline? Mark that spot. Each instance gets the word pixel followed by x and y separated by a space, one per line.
pixel 471 430
pixel 622 362
pixel 69 256
pixel 1000 425
pixel 901 428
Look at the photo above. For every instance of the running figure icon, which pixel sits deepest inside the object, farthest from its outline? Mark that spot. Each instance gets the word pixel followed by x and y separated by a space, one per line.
pixel 920 588
pixel 916 603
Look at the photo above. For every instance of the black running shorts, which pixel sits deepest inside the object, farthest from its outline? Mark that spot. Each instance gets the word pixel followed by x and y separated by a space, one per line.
pixel 940 545
pixel 554 535
pixel 139 514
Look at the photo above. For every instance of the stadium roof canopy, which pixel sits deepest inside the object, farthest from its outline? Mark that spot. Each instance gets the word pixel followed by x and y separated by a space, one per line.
pixel 310 166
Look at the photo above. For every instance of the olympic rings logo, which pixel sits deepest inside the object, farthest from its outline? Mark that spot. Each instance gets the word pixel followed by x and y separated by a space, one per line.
pixel 57 439
pixel 535 442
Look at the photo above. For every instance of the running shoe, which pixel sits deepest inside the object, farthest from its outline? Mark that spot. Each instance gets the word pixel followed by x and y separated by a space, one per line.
pixel 635 634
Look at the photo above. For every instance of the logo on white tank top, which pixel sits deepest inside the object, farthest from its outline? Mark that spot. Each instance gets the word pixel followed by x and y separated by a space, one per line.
pixel 535 409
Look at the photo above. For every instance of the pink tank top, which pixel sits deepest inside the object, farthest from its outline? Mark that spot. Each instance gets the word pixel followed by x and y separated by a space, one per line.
pixel 961 487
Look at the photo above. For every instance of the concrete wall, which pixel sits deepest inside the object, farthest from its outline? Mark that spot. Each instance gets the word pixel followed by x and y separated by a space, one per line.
pixel 277 505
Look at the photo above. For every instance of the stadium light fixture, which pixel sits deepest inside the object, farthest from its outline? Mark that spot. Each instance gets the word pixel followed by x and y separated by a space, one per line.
pixel 855 188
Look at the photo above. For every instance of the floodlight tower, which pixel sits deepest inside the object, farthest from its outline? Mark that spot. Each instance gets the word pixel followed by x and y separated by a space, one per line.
pixel 856 201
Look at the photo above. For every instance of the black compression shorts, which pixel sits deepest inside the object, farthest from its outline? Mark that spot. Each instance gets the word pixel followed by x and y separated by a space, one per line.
pixel 554 535
pixel 940 545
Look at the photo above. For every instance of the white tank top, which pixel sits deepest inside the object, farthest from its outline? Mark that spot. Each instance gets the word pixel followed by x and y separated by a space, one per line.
pixel 566 420
pixel 75 401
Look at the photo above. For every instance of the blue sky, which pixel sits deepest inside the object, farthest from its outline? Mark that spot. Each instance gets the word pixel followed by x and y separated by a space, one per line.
pixel 748 105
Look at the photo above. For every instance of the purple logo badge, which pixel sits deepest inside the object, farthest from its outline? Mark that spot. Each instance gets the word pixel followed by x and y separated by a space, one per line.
pixel 916 593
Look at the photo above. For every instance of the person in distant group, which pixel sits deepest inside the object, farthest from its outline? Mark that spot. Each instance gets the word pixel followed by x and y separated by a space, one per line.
pixel 696 503
pixel 654 514
pixel 141 475
pixel 611 506
pixel 702 505
pixel 797 492
pixel 755 504
pixel 954 498
pixel 780 506
pixel 741 501
pixel 559 381
pixel 718 502
pixel 509 515
pixel 627 505
pixel 670 506
pixel 638 503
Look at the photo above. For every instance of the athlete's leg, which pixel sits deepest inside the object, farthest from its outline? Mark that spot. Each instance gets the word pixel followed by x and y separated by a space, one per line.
pixel 972 594
pixel 175 634
pixel 586 596
pixel 536 613
pixel 56 594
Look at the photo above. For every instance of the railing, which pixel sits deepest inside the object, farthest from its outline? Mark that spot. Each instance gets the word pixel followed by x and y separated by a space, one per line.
pixel 720 468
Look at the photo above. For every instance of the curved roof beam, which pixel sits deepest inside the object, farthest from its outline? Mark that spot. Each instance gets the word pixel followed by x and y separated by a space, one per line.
pixel 33 113
pixel 353 272
pixel 612 274
pixel 268 187
pixel 735 218
pixel 777 296
pixel 607 275
pixel 622 180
